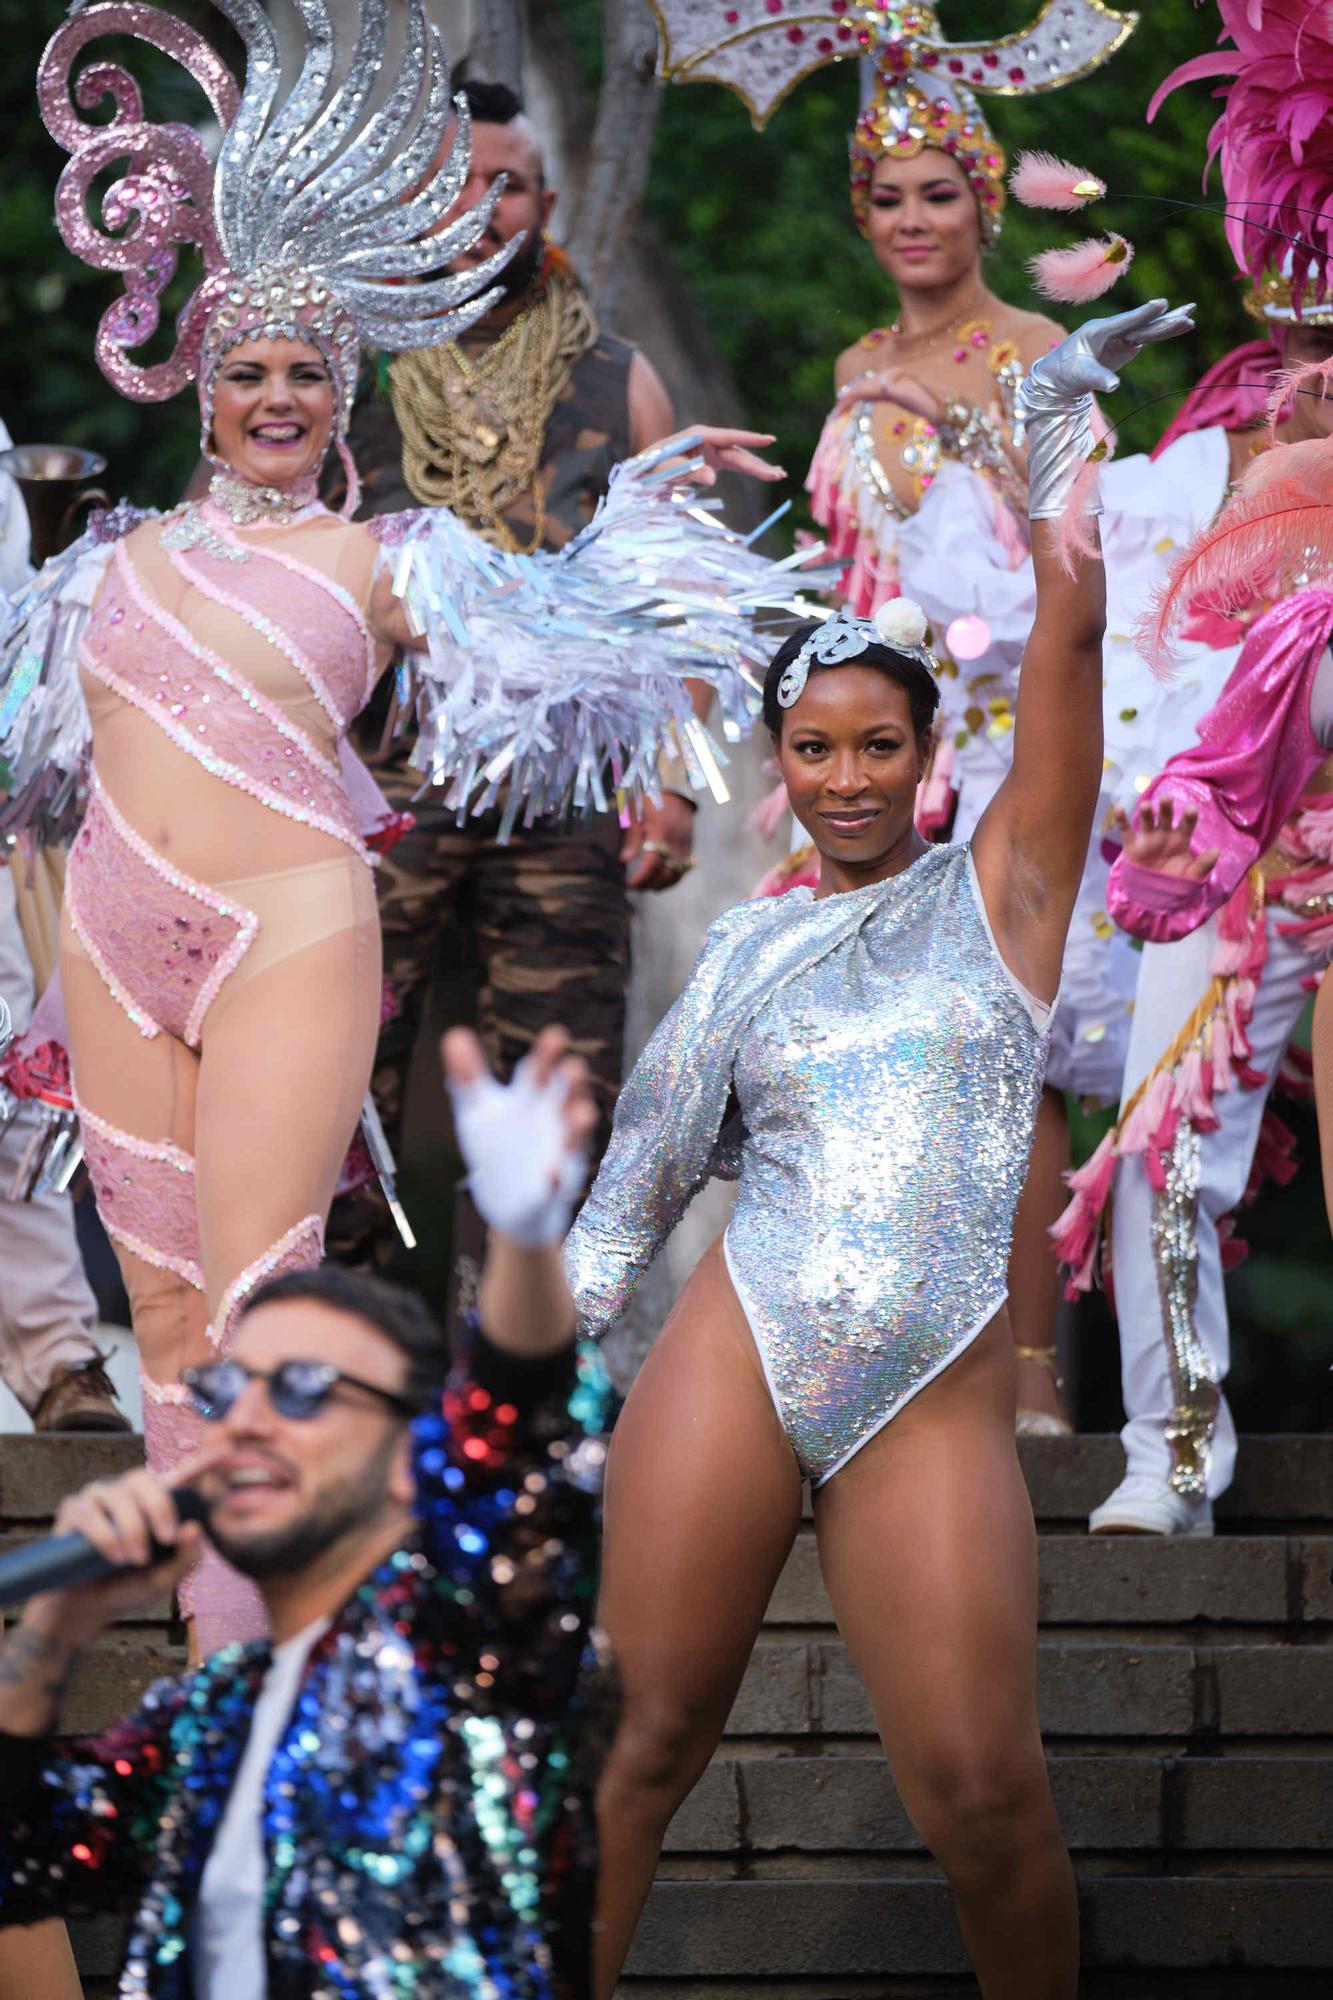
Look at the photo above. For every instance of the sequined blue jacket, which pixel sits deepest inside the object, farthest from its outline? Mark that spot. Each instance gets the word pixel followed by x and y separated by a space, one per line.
pixel 428 1811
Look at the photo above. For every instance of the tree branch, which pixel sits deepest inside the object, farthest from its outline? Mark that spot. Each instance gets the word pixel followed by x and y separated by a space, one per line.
pixel 621 147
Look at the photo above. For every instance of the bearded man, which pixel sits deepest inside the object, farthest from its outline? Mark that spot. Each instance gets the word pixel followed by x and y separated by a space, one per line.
pixel 516 429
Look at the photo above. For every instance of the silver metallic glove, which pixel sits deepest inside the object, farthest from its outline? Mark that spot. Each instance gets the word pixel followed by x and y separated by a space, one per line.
pixel 1055 398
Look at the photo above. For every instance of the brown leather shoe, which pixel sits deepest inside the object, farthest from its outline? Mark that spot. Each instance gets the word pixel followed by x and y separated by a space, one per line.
pixel 80 1397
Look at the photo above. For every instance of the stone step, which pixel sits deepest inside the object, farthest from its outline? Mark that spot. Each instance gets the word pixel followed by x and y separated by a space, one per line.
pixel 750 1807
pixel 37 1472
pixel 901 1926
pixel 1087 1687
pixel 1218 1983
pixel 111 1676
pixel 1134 1580
pixel 1278 1479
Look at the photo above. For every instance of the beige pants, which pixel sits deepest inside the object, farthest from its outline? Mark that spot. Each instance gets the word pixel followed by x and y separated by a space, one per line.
pixel 47 1310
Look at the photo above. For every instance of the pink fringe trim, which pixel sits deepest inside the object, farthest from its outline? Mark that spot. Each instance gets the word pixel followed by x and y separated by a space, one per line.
pixel 1216 1062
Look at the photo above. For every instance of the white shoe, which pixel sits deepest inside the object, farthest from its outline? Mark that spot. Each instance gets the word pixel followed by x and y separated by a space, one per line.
pixel 1142 1505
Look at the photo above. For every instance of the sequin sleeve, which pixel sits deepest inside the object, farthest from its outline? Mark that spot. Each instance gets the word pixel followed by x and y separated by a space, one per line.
pixel 79 1816
pixel 509 1480
pixel 645 1183
pixel 1256 753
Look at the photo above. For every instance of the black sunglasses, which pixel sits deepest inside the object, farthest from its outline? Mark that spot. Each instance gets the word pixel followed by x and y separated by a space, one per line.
pixel 297 1389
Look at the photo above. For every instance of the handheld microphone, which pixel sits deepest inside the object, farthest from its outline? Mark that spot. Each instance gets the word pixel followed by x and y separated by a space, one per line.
pixel 58 1562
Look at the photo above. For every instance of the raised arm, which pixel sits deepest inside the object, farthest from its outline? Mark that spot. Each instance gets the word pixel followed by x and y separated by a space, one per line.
pixel 1031 844
pixel 526 1149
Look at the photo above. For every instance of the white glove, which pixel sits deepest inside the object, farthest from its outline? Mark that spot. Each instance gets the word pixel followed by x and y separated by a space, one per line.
pixel 1055 397
pixel 522 1174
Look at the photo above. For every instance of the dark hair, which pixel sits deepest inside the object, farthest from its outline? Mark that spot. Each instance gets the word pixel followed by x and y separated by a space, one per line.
pixel 392 1310
pixel 491 103
pixel 916 680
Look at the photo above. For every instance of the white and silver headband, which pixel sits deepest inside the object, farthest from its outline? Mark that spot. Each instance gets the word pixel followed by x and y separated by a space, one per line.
pixel 900 624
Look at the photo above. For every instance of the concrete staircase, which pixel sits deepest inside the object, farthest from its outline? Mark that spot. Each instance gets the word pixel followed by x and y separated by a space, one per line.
pixel 1187 1702
pixel 1187 1699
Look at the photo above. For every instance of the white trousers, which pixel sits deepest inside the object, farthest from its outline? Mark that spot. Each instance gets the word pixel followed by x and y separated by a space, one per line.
pixel 47 1309
pixel 1172 981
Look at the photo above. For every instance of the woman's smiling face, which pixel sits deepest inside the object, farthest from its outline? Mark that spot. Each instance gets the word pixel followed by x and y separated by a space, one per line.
pixel 852 761
pixel 923 224
pixel 273 409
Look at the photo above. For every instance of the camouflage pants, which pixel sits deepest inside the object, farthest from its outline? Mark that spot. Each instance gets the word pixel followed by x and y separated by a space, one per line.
pixel 541 927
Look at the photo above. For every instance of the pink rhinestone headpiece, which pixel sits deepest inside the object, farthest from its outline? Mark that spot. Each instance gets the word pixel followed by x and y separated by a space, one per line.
pixel 321 220
pixel 925 90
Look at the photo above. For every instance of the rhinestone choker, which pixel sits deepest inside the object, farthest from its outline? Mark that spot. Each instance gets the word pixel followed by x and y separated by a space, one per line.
pixel 245 503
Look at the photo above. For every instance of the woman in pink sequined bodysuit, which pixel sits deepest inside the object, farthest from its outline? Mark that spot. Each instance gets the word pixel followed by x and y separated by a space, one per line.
pixel 220 952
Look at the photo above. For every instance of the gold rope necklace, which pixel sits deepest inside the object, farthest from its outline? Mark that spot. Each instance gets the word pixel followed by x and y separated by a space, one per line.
pixel 474 425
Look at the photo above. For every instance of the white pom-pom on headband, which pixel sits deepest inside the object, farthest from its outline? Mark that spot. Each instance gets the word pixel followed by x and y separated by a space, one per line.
pixel 900 624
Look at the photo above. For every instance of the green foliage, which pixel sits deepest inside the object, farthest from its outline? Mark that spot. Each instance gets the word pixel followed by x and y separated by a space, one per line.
pixel 50 302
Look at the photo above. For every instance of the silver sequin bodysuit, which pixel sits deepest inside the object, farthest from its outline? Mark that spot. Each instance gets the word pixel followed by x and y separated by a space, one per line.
pixel 886 1067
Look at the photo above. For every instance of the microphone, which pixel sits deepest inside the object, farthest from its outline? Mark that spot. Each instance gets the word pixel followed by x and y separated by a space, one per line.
pixel 58 1562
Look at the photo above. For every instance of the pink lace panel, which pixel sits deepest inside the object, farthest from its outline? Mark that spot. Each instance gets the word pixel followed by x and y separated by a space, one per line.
pixel 162 942
pixel 306 615
pixel 207 707
pixel 300 1249
pixel 225 1606
pixel 145 1196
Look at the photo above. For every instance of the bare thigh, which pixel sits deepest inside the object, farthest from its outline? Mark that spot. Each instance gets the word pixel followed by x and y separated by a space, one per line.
pixel 703 1500
pixel 929 1554
pixel 286 1065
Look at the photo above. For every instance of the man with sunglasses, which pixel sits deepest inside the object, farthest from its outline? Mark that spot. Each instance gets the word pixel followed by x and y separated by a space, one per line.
pixel 395 1795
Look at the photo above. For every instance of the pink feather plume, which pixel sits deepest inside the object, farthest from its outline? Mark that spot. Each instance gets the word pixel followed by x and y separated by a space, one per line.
pixel 1084 272
pixel 1275 135
pixel 1040 180
pixel 1076 535
pixel 1277 526
pixel 1311 378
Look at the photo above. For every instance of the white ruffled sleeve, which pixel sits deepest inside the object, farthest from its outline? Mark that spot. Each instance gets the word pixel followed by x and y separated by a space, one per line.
pixel 45 733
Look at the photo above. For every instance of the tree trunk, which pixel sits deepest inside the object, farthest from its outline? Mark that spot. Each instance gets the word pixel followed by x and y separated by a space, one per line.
pixel 496 51
pixel 620 151
pixel 599 164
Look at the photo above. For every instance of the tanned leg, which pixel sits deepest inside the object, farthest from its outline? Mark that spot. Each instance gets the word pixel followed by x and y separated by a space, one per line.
pixel 1034 1275
pixel 703 1501
pixel 37 1964
pixel 929 1554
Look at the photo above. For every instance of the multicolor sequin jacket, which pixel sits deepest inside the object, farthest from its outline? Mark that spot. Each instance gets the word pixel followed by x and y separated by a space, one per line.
pixel 428 1811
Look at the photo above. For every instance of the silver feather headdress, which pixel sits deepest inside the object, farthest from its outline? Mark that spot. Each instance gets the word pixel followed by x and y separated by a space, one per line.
pixel 323 219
